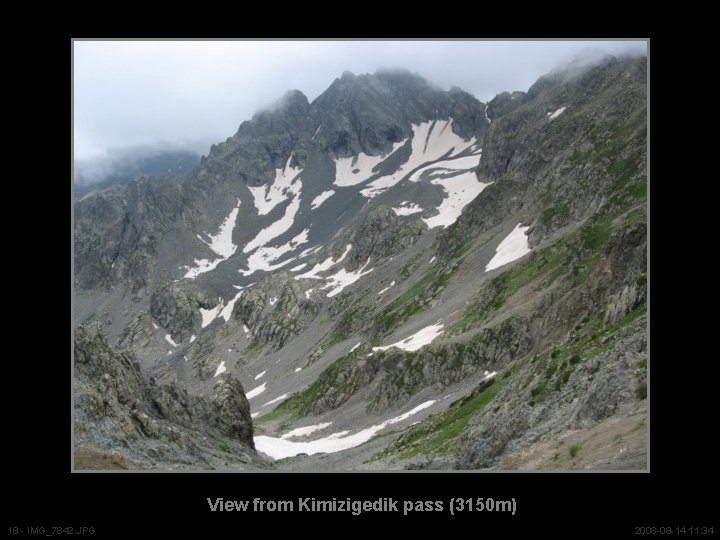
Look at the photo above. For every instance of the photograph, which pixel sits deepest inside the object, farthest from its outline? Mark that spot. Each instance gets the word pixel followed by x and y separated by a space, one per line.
pixel 359 255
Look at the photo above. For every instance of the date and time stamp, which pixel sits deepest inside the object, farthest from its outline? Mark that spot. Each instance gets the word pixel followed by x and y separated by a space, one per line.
pixel 677 530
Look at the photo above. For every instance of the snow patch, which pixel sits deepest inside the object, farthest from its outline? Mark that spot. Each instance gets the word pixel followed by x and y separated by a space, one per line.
pixel 264 257
pixel 324 196
pixel 310 251
pixel 256 391
pixel 431 260
pixel 325 265
pixel 280 398
pixel 387 288
pixel 356 346
pixel 342 279
pixel 443 167
pixel 308 293
pixel 169 339
pixel 513 246
pixel 298 369
pixel 155 326
pixel 557 113
pixel 461 190
pixel 192 338
pixel 407 210
pixel 355 170
pixel 254 415
pixel 298 267
pixel 226 312
pixel 418 340
pixel 208 315
pixel 279 448
pixel 260 375
pixel 303 431
pixel 221 244
pixel 269 196
pixel 220 369
pixel 430 141
pixel 277 228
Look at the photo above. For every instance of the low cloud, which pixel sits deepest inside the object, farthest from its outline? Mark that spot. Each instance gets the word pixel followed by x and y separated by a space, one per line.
pixel 135 93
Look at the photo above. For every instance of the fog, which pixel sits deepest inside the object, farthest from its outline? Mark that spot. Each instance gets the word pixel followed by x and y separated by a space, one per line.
pixel 189 94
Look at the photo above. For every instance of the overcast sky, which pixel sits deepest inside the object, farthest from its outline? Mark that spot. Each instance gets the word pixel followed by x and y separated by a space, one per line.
pixel 193 93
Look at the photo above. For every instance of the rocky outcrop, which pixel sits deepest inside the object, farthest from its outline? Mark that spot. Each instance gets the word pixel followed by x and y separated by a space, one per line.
pixel 504 103
pixel 117 231
pixel 554 172
pixel 368 113
pixel 379 235
pixel 176 307
pixel 601 386
pixel 156 426
pixel 275 309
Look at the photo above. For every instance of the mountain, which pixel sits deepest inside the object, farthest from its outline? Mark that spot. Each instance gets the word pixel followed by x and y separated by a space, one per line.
pixel 393 276
pixel 123 165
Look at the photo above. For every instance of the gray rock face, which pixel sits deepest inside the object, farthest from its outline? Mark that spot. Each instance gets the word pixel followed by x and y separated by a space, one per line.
pixel 156 426
pixel 275 309
pixel 380 235
pixel 504 103
pixel 117 231
pixel 368 113
pixel 232 410
pixel 554 172
pixel 594 392
pixel 176 307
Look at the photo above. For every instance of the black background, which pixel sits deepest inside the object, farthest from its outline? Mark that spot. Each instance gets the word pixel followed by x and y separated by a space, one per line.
pixel 40 490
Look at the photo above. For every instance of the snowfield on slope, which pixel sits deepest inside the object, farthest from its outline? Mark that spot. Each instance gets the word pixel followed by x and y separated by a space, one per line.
pixel 324 196
pixel 277 228
pixel 430 141
pixel 355 170
pixel 461 190
pixel 513 246
pixel 256 391
pixel 407 209
pixel 221 244
pixel 556 113
pixel 279 448
pixel 269 196
pixel 208 315
pixel 264 257
pixel 323 266
pixel 342 279
pixel 418 340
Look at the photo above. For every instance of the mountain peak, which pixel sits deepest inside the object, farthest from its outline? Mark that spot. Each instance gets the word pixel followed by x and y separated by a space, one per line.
pixel 293 102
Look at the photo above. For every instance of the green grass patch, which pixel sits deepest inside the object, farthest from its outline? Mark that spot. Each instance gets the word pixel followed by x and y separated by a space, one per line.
pixel 436 437
pixel 574 449
pixel 416 299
